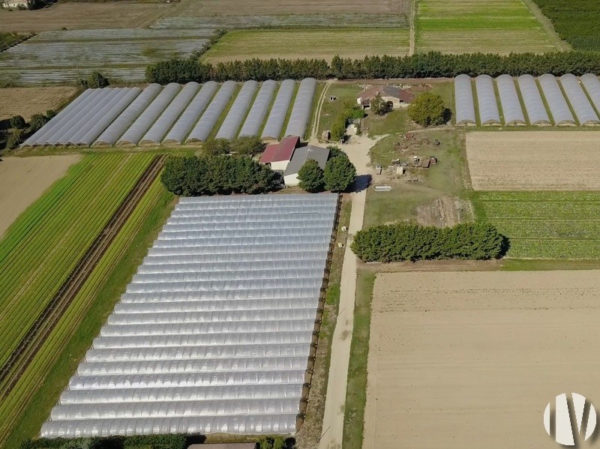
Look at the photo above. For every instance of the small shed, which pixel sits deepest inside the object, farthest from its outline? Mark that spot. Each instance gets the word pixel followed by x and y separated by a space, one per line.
pixel 301 155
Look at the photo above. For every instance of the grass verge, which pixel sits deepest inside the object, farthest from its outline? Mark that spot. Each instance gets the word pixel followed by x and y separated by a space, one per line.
pixel 356 393
pixel 28 406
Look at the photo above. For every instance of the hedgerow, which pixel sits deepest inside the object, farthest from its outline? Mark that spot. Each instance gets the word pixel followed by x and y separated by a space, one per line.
pixel 400 242
pixel 432 64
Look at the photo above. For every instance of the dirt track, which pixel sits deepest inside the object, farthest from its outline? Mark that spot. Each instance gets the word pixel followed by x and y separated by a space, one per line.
pixel 534 160
pixel 24 179
pixel 470 359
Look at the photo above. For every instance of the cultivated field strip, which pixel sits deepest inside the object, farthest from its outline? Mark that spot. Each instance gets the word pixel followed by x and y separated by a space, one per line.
pixel 60 56
pixel 179 114
pixel 28 346
pixel 43 246
pixel 567 99
pixel 239 359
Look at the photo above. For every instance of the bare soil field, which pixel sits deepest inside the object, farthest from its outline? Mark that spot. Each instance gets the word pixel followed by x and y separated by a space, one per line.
pixel 23 180
pixel 84 15
pixel 463 357
pixel 27 101
pixel 534 160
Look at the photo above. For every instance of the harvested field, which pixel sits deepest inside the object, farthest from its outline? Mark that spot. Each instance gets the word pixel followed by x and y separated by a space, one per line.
pixel 534 160
pixel 85 15
pixel 451 353
pixel 491 26
pixel 27 101
pixel 351 43
pixel 23 180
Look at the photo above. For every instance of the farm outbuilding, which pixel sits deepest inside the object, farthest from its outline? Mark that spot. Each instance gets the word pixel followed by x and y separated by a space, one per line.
pixel 299 158
pixel 278 155
pixel 464 105
pixel 179 114
pixel 393 95
pixel 215 331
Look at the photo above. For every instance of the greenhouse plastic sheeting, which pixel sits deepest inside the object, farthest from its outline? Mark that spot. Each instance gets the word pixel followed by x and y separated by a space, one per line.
pixel 211 115
pixel 579 102
pixel 216 336
pixel 302 108
pixel 534 105
pixel 129 115
pixel 158 130
pixel 592 86
pixel 276 119
pixel 258 112
pixel 486 98
pixel 59 119
pixel 139 127
pixel 556 101
pixel 464 104
pixel 511 106
pixel 238 111
pixel 191 114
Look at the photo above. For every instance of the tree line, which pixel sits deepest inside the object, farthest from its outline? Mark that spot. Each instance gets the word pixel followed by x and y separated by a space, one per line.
pixel 432 64
pixel 401 242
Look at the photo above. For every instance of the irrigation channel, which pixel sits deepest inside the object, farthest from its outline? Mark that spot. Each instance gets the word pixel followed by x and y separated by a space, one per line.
pixel 41 329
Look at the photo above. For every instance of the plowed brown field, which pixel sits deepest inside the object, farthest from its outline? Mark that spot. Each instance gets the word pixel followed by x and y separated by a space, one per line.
pixel 470 359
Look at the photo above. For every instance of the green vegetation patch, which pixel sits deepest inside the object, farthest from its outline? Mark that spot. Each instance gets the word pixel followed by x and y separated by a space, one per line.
pixel 494 26
pixel 545 225
pixel 43 246
pixel 28 406
pixel 576 21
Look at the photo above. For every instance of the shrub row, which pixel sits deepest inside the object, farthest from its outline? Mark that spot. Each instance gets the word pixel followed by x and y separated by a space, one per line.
pixel 433 64
pixel 210 175
pixel 400 242
pixel 175 441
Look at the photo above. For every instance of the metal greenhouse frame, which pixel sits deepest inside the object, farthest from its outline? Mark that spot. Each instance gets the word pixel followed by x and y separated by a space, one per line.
pixel 211 115
pixel 579 102
pixel 509 99
pixel 231 125
pixel 214 332
pixel 302 108
pixel 275 120
pixel 258 112
pixel 556 101
pixel 463 98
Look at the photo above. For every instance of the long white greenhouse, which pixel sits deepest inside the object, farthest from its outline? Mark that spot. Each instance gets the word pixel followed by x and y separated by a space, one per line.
pixel 542 99
pixel 180 114
pixel 214 332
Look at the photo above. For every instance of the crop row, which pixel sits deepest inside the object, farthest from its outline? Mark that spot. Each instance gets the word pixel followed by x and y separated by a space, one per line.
pixel 44 245
pixel 28 405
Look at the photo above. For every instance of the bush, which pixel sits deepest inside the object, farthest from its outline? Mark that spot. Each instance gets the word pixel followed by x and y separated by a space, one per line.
pixel 400 242
pixel 311 177
pixel 339 174
pixel 428 109
pixel 17 122
pixel 247 145
pixel 209 175
pixel 96 80
pixel 37 121
pixel 14 139
pixel 216 147
pixel 379 106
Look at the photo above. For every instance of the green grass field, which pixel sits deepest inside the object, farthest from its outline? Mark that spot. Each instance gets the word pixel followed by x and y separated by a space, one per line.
pixel 545 225
pixel 308 43
pixel 491 26
pixel 42 247
pixel 29 404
